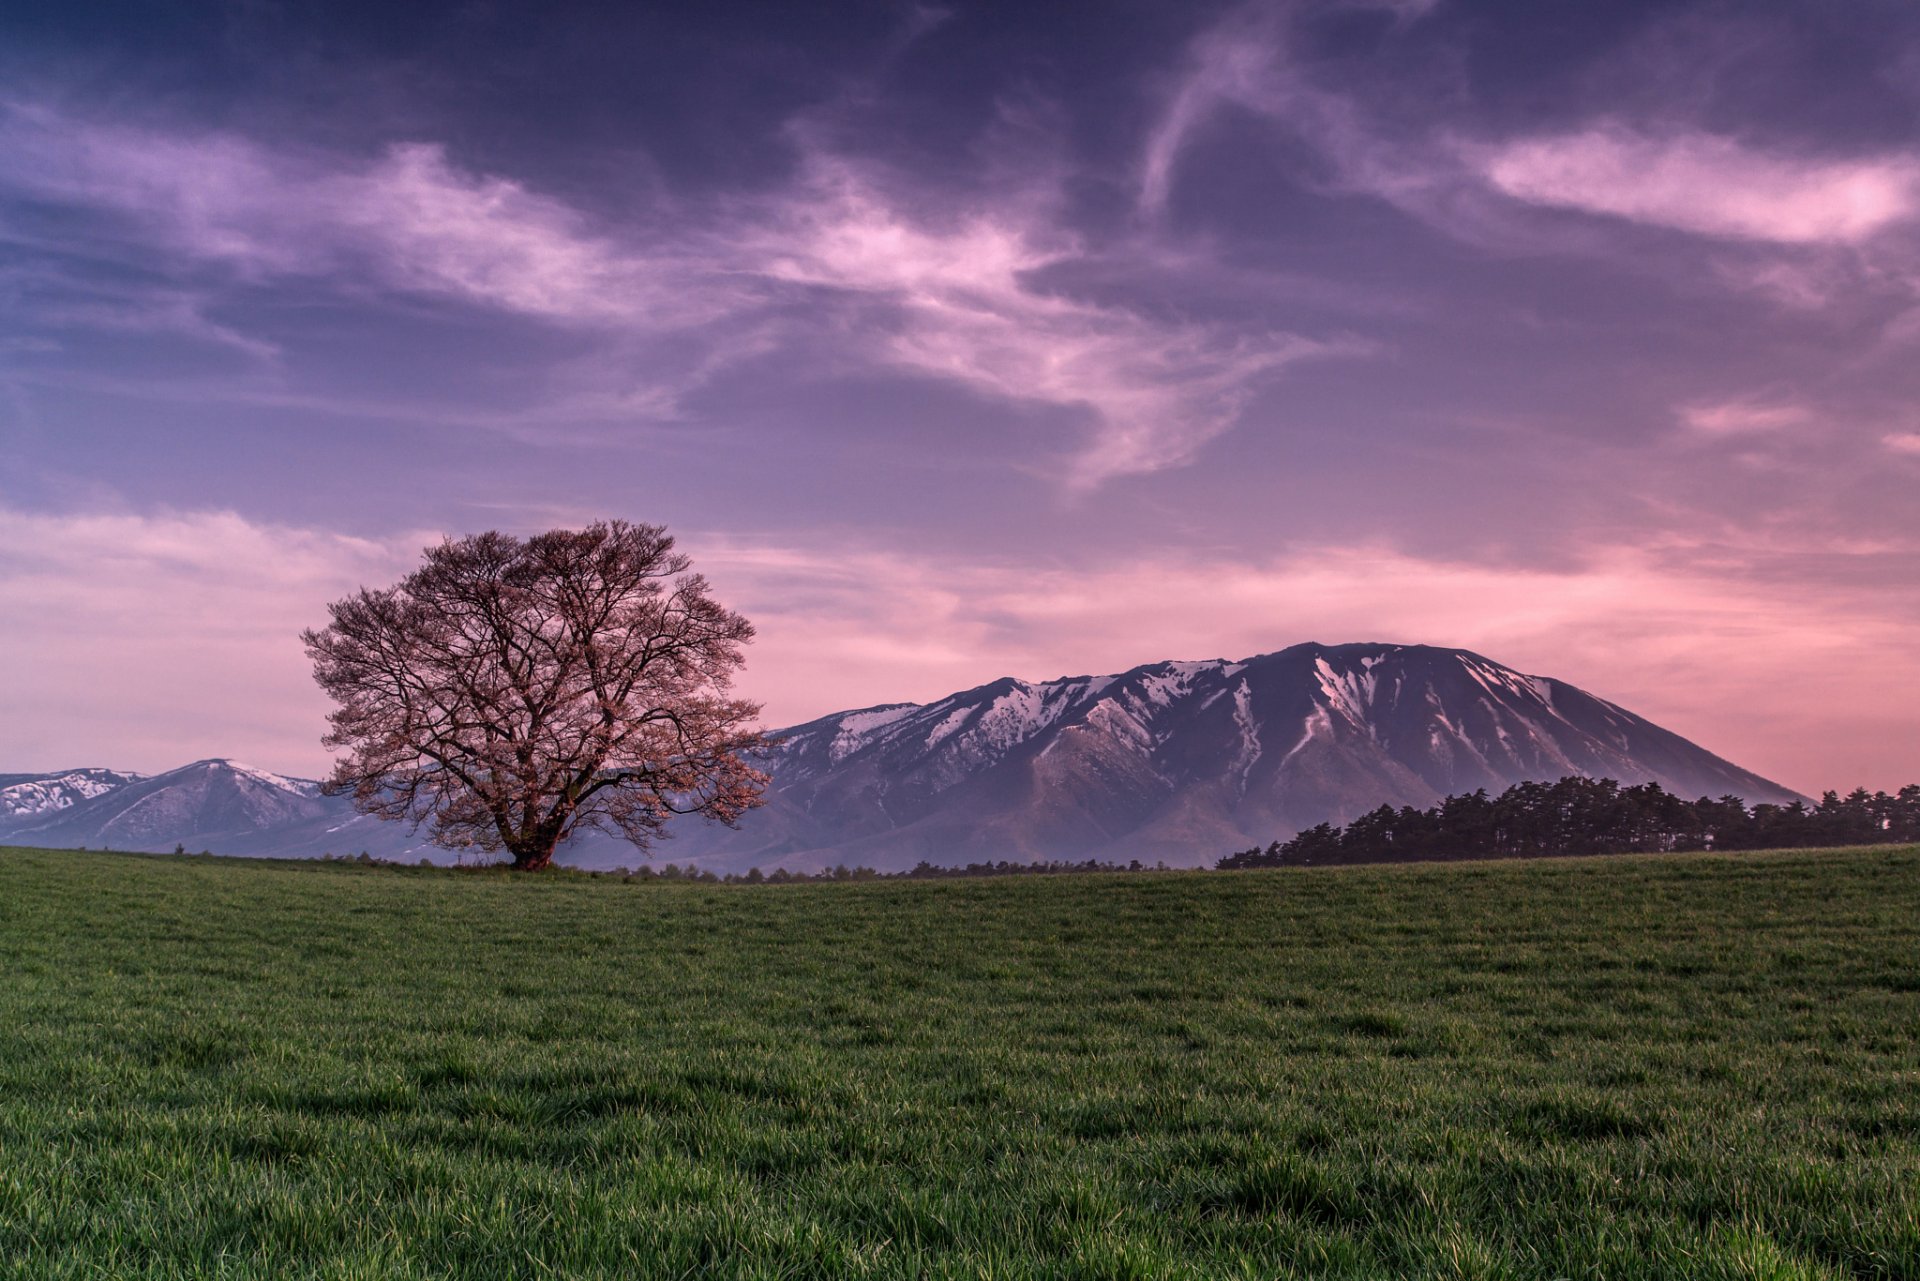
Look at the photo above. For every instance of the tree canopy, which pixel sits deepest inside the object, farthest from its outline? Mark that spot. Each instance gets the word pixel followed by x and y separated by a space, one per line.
pixel 513 692
pixel 1594 816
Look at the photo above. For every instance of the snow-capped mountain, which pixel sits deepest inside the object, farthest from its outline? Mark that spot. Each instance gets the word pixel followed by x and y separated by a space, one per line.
pixel 218 805
pixel 1180 762
pixel 1184 761
pixel 225 807
pixel 26 796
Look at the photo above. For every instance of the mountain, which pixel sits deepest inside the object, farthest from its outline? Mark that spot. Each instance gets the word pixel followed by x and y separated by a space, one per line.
pixel 1184 761
pixel 216 805
pixel 29 796
pixel 224 807
pixel 1180 762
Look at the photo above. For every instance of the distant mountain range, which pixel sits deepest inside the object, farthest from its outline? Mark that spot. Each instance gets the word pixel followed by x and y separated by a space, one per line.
pixel 33 796
pixel 1179 762
pixel 216 805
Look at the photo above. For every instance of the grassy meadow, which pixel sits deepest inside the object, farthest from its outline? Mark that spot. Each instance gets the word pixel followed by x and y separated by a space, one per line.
pixel 1693 1066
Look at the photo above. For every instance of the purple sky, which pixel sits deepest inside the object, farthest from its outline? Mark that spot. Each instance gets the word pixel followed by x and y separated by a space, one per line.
pixel 976 341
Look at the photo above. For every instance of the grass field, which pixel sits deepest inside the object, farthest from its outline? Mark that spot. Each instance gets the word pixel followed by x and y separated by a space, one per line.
pixel 1641 1067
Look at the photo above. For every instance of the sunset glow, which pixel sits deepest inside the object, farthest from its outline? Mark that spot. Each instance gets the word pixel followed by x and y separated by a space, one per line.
pixel 955 345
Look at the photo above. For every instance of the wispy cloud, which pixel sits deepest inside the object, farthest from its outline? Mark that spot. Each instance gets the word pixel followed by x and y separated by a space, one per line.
pixel 1741 417
pixel 1403 10
pixel 952 298
pixel 154 637
pixel 1903 442
pixel 175 313
pixel 1707 184
pixel 1660 172
pixel 408 217
pixel 1235 62
pixel 1248 62
pixel 966 303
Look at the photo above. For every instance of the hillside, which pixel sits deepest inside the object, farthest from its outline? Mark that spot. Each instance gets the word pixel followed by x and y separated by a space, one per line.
pixel 1184 761
pixel 32 798
pixel 219 806
pixel 1643 1068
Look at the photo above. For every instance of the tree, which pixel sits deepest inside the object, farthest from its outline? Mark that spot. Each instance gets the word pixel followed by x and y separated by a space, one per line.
pixel 514 692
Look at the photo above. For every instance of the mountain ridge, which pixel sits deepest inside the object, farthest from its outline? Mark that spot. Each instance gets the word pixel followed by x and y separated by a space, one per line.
pixel 1178 761
pixel 28 796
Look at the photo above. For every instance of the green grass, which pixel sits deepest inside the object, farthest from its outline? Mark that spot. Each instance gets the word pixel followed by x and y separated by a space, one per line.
pixel 1640 1067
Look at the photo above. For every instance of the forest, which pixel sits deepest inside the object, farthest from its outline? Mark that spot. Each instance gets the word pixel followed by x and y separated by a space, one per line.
pixel 1580 815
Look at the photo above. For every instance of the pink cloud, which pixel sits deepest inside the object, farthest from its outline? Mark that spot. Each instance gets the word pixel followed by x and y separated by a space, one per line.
pixel 153 640
pixel 1246 62
pixel 1903 442
pixel 408 217
pixel 147 640
pixel 1236 62
pixel 1788 677
pixel 966 307
pixel 949 298
pixel 1741 417
pixel 1707 184
pixel 1806 232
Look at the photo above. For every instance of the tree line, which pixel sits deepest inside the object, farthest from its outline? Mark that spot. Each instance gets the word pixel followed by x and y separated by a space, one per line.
pixel 921 871
pixel 1594 816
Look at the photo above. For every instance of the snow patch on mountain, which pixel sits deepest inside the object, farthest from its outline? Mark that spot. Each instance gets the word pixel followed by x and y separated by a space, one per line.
pixel 1166 683
pixel 40 794
pixel 948 726
pixel 1016 716
pixel 298 786
pixel 1349 693
pixel 1243 720
pixel 857 729
pixel 1318 721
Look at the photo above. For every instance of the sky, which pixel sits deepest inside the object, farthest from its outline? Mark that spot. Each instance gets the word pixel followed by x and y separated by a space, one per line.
pixel 977 340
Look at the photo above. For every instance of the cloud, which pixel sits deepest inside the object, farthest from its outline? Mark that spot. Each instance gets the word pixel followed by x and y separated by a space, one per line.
pixel 1781 216
pixel 1404 10
pixel 964 303
pixel 180 314
pixel 492 240
pixel 1235 62
pixel 408 216
pixel 146 640
pixel 1247 61
pixel 1780 660
pixel 149 640
pixel 1741 417
pixel 954 298
pixel 1903 442
pixel 1707 184
pixel 1808 279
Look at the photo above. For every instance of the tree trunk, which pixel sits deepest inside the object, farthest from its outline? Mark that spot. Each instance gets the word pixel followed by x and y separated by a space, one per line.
pixel 531 858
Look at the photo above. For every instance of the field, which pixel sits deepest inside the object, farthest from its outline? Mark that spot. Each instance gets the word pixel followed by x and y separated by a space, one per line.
pixel 1695 1066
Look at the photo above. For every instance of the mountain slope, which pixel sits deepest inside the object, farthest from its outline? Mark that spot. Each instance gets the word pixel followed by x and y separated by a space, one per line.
pixel 225 807
pixel 1182 761
pixel 26 797
pixel 215 805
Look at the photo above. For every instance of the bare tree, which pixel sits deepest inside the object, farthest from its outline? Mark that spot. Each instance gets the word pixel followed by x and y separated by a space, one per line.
pixel 515 692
